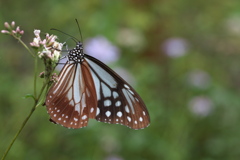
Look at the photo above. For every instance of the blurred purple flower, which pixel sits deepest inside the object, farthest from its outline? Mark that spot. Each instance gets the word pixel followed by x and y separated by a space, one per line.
pixel 201 106
pixel 175 47
pixel 102 49
pixel 199 78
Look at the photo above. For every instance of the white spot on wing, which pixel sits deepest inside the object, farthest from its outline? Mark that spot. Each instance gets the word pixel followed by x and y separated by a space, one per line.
pixel 115 95
pixel 84 117
pixel 119 114
pixel 108 113
pixel 118 103
pixel 98 111
pixel 126 86
pixel 71 103
pixel 129 118
pixel 107 103
pixel 140 119
pixel 127 109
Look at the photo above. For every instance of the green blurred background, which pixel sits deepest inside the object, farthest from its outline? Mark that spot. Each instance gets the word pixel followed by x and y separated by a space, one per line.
pixel 181 56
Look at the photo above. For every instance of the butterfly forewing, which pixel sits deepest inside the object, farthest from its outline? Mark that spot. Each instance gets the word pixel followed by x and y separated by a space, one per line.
pixel 72 100
pixel 118 102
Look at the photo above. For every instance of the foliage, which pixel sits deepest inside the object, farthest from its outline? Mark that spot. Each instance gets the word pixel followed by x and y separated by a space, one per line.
pixel 183 55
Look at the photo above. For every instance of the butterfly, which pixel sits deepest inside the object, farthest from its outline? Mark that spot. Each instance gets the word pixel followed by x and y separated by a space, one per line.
pixel 87 88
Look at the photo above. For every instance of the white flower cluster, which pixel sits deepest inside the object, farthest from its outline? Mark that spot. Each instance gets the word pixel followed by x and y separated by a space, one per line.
pixel 49 47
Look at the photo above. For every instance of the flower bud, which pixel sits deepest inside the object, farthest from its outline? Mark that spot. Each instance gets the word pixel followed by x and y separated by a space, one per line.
pixel 5 32
pixel 21 32
pixel 13 24
pixel 18 29
pixel 7 26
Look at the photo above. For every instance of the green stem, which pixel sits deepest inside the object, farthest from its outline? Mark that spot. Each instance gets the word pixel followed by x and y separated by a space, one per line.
pixel 25 46
pixel 19 131
pixel 35 77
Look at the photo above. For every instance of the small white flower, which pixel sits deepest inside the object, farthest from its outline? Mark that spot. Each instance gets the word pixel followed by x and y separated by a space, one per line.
pixel 37 32
pixel 36 42
pixel 45 53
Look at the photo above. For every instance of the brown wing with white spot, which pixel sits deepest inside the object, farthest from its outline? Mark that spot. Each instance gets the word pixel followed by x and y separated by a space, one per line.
pixel 118 102
pixel 72 100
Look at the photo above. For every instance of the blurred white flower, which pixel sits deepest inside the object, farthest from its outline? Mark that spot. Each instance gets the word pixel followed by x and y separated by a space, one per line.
pixel 199 78
pixel 131 38
pixel 102 49
pixel 175 47
pixel 233 25
pixel 113 157
pixel 201 106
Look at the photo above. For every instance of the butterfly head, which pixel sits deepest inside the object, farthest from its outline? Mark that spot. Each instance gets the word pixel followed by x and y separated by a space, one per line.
pixel 76 54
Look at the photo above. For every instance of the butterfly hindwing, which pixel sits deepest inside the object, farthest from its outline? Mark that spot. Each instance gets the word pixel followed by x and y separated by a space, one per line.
pixel 72 100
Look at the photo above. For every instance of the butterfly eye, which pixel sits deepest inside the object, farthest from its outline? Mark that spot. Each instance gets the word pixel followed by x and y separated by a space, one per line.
pixel 87 88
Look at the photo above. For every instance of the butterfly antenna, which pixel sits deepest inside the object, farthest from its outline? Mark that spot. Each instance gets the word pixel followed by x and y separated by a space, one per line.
pixel 75 39
pixel 79 30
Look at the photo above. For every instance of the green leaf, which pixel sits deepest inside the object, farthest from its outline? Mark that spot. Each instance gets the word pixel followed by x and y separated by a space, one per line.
pixel 29 96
